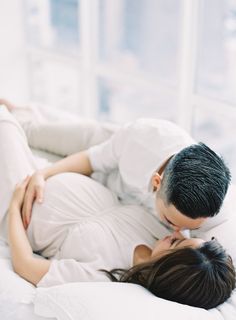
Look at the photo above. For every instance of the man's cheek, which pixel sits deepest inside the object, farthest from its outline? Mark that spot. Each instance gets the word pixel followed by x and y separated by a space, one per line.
pixel 161 217
pixel 157 210
pixel 159 214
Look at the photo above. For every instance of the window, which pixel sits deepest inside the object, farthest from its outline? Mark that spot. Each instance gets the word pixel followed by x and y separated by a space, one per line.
pixel 120 60
pixel 216 71
pixel 141 37
pixel 53 24
pixel 138 56
pixel 214 113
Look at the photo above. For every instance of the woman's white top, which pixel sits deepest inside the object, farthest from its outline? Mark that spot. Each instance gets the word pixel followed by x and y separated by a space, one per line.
pixel 127 161
pixel 81 227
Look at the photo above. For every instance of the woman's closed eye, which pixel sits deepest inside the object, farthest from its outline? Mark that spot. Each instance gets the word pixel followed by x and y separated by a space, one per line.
pixel 176 242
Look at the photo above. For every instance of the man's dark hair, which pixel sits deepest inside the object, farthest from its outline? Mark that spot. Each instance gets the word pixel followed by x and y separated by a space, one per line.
pixel 195 181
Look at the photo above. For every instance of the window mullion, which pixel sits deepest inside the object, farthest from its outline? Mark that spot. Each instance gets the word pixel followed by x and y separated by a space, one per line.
pixel 89 48
pixel 187 61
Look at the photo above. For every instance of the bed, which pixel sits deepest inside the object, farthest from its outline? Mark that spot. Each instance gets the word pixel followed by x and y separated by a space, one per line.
pixel 89 301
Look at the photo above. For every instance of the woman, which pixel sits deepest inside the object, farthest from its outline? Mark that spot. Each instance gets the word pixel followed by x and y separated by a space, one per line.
pixel 84 238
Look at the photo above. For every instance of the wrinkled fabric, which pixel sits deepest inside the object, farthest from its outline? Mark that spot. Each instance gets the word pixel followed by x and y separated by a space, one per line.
pixel 81 226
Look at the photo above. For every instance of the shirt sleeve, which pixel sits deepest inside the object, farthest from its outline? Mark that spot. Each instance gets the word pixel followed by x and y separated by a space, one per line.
pixel 69 270
pixel 105 156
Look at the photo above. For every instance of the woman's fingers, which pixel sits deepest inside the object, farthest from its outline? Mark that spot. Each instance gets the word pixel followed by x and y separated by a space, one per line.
pixel 10 106
pixel 27 207
pixel 24 183
pixel 34 192
pixel 39 194
pixel 19 193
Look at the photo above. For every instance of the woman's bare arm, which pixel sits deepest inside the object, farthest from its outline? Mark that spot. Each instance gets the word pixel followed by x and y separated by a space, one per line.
pixel 24 263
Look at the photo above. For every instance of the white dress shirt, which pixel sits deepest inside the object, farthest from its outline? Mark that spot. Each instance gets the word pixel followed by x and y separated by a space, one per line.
pixel 126 162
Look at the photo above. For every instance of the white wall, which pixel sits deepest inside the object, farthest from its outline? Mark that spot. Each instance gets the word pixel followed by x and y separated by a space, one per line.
pixel 13 66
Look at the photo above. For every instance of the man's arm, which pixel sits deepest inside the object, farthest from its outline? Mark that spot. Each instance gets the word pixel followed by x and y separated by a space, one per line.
pixel 101 158
pixel 78 162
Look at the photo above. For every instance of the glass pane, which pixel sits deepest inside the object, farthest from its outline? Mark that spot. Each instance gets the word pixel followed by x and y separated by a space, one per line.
pixel 120 102
pixel 55 83
pixel 53 24
pixel 218 131
pixel 216 70
pixel 141 36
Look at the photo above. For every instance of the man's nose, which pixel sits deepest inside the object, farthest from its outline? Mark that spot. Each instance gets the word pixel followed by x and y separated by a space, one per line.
pixel 177 235
pixel 177 229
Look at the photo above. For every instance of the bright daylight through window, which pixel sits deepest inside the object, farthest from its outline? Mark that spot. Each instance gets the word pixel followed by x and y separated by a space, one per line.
pixel 120 60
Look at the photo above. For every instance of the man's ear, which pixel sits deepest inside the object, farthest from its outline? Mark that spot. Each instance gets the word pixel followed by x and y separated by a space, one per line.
pixel 156 181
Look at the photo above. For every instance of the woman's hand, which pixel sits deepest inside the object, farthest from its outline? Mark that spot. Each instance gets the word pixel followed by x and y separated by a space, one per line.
pixel 10 106
pixel 34 192
pixel 19 193
pixel 24 263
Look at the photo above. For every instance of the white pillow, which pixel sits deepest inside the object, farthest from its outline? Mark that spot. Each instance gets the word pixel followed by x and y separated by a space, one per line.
pixel 116 301
pixel 16 294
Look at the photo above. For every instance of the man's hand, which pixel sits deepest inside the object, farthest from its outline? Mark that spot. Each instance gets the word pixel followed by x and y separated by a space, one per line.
pixel 34 192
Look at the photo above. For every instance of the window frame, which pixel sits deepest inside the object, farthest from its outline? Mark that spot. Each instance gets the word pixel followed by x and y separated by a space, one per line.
pixel 91 68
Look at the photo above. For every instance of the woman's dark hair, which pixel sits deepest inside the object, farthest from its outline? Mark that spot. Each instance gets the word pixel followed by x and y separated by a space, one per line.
pixel 201 277
pixel 195 181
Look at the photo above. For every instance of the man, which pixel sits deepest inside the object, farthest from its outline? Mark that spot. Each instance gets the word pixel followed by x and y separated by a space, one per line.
pixel 149 162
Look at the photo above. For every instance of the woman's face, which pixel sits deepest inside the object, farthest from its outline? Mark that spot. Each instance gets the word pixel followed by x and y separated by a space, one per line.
pixel 175 240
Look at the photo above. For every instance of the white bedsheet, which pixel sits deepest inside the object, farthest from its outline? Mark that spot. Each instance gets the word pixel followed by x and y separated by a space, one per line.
pixel 115 301
pixel 16 294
